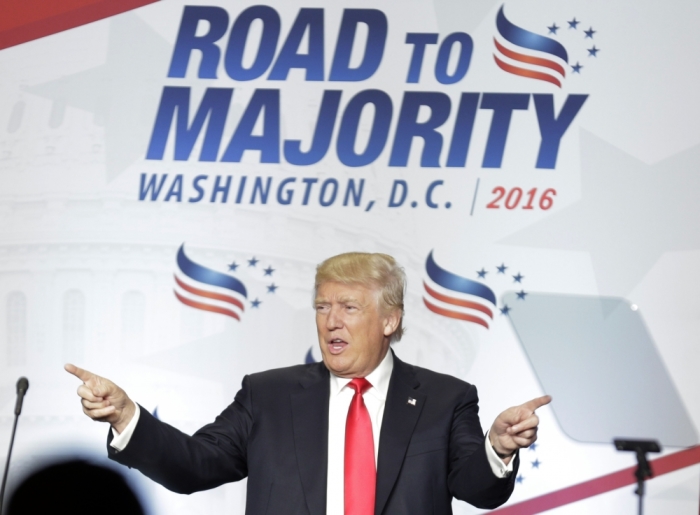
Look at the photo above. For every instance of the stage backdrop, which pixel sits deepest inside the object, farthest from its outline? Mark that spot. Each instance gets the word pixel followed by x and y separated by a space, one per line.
pixel 171 174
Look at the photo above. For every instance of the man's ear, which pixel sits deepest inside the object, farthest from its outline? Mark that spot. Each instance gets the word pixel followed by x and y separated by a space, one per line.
pixel 391 322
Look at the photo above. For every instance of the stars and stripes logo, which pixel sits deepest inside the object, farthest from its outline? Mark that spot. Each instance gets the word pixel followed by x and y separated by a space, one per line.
pixel 206 289
pixel 527 54
pixel 453 296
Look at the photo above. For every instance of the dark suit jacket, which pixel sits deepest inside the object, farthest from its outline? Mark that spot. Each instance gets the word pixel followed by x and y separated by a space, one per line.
pixel 276 432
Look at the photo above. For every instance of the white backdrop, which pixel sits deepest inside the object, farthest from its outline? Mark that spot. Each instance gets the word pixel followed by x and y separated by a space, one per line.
pixel 591 175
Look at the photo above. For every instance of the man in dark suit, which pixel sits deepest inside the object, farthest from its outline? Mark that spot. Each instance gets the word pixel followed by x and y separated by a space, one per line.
pixel 361 433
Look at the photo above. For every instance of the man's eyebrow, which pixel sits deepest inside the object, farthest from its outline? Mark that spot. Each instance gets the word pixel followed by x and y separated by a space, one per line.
pixel 341 300
pixel 349 300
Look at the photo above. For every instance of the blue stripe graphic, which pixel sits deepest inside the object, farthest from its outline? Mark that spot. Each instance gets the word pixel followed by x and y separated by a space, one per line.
pixel 526 39
pixel 309 358
pixel 206 275
pixel 456 283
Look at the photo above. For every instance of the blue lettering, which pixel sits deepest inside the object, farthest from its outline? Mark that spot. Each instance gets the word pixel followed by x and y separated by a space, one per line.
pixel 379 132
pixel 552 129
pixel 408 127
pixel 265 101
pixel 187 40
pixel 288 57
pixel 218 188
pixel 429 194
pixel 399 187
pixel 153 187
pixel 288 193
pixel 325 202
pixel 200 190
pixel 258 188
pixel 214 107
pixel 175 189
pixel 309 181
pixel 462 133
pixel 466 46
pixel 233 62
pixel 241 189
pixel 503 105
pixel 322 135
pixel 374 48
pixel 356 193
pixel 419 41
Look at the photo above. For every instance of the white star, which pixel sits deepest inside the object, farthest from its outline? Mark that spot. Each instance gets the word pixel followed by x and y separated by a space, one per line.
pixel 630 213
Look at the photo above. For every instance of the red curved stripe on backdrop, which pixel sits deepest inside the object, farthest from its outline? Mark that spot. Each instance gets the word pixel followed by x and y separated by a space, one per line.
pixel 454 314
pixel 27 20
pixel 530 59
pixel 209 294
pixel 526 73
pixel 600 485
pixel 206 307
pixel 458 302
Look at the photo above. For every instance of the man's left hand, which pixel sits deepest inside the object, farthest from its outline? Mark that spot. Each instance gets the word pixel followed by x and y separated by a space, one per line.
pixel 516 427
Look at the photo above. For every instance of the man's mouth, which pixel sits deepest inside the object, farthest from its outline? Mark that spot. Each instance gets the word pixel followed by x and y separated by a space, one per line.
pixel 336 345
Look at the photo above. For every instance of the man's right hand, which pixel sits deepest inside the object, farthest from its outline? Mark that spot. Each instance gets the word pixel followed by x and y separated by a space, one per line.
pixel 103 400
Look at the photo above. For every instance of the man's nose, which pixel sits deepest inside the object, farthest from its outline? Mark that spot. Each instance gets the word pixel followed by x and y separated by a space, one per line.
pixel 334 320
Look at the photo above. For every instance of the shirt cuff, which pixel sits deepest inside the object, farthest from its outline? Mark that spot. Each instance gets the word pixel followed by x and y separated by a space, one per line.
pixel 121 440
pixel 500 469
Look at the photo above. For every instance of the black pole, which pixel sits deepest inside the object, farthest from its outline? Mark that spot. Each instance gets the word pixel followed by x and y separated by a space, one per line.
pixel 22 387
pixel 7 463
pixel 643 472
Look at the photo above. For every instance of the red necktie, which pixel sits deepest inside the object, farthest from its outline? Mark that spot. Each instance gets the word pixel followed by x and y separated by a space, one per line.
pixel 360 470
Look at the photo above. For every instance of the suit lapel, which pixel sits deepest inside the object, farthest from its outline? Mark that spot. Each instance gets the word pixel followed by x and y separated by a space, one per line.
pixel 399 421
pixel 310 420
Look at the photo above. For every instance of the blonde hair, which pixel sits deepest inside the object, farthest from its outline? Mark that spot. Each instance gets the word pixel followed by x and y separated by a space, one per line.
pixel 377 271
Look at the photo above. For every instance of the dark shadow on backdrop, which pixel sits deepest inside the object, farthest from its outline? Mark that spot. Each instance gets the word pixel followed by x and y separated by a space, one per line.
pixel 75 487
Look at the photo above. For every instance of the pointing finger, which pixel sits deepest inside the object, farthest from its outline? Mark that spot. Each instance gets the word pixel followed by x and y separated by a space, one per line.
pixel 538 402
pixel 78 372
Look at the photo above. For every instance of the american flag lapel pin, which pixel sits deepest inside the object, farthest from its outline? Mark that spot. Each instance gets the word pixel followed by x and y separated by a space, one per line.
pixel 411 401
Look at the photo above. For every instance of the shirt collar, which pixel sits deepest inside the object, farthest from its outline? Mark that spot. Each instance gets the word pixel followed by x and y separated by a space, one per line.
pixel 378 378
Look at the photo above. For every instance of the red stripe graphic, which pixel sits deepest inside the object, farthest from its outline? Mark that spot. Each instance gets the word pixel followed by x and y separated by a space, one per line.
pixel 206 307
pixel 601 485
pixel 27 20
pixel 458 302
pixel 209 294
pixel 526 73
pixel 530 59
pixel 454 314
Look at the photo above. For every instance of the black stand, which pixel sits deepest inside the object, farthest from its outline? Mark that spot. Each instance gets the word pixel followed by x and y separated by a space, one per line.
pixel 640 448
pixel 7 463
pixel 22 387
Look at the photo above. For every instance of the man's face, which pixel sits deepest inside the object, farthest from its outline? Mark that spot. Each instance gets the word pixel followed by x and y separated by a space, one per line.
pixel 353 332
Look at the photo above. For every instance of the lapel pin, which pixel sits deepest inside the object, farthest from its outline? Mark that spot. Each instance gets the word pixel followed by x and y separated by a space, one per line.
pixel 411 401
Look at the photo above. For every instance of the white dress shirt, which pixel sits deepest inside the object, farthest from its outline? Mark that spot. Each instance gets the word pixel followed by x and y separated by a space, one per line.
pixel 339 404
pixel 375 400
